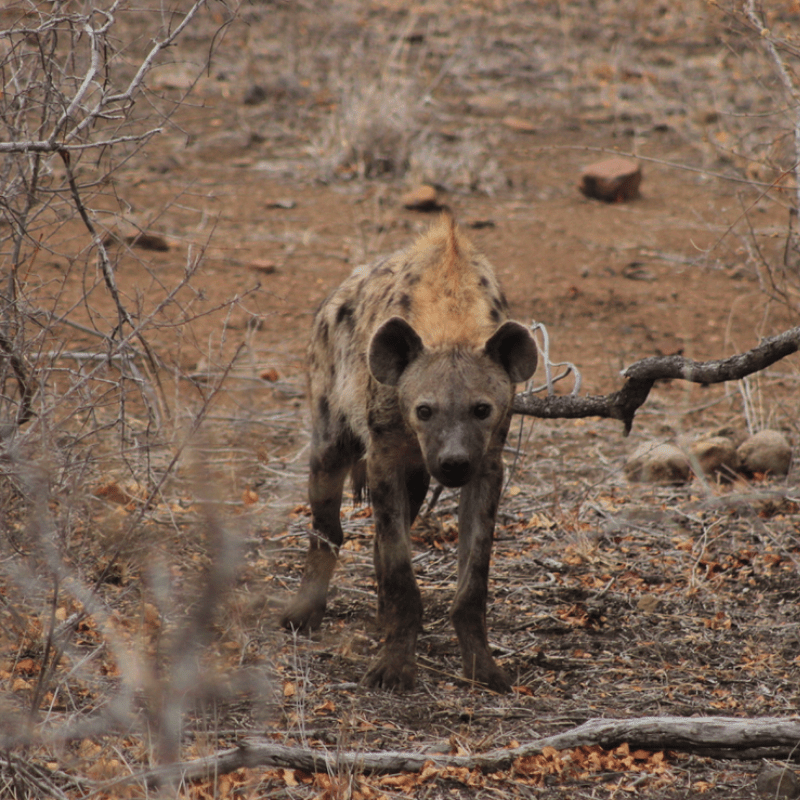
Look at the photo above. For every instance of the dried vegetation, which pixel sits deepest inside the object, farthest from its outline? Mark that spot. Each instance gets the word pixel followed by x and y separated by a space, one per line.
pixel 152 428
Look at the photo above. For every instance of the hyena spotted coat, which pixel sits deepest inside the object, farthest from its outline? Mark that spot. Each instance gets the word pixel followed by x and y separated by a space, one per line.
pixel 412 371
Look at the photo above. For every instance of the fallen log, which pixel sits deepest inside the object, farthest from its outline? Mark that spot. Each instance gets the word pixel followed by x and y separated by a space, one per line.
pixel 719 737
pixel 642 375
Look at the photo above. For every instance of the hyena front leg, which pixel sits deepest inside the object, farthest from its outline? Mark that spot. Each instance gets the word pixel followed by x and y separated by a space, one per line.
pixel 476 520
pixel 399 598
pixel 325 486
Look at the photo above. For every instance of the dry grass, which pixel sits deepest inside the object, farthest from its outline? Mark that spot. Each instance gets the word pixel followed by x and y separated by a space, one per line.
pixel 152 499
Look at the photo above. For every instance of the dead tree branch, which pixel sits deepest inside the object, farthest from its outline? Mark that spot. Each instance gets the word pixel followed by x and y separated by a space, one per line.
pixel 722 737
pixel 642 375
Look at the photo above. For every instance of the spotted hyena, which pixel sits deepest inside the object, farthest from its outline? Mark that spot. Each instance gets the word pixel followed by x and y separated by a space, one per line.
pixel 413 364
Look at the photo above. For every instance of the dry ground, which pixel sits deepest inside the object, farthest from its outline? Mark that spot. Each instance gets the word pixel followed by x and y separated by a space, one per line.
pixel 285 170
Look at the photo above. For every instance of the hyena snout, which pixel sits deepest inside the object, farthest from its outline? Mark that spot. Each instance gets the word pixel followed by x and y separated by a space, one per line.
pixel 453 464
pixel 455 469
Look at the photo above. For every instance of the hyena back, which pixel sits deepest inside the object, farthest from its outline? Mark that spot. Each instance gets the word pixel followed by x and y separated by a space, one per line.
pixel 412 368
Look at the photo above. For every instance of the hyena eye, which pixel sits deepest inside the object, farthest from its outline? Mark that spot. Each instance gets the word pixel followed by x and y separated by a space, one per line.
pixel 482 410
pixel 424 412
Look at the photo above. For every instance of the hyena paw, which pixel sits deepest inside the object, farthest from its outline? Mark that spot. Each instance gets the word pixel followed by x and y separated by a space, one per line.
pixel 391 672
pixel 497 681
pixel 489 674
pixel 303 614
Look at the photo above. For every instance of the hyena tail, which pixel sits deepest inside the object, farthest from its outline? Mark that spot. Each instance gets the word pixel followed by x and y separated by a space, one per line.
pixel 358 479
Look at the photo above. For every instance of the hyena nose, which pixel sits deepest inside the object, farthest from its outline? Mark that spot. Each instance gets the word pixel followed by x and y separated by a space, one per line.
pixel 454 470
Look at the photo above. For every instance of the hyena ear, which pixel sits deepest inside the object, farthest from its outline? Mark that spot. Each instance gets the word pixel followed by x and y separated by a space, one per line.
pixel 393 347
pixel 513 347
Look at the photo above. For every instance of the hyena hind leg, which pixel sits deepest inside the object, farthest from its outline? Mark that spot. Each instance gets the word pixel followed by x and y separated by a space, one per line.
pixel 325 487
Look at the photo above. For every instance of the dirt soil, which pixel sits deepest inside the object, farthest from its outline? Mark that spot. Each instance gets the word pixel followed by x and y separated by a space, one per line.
pixel 285 170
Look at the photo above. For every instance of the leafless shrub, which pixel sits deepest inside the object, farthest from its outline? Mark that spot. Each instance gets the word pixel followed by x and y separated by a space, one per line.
pixel 760 133
pixel 86 389
pixel 87 671
pixel 75 105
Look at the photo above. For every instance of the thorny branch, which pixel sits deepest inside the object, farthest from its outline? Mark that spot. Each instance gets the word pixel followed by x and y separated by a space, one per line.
pixel 642 375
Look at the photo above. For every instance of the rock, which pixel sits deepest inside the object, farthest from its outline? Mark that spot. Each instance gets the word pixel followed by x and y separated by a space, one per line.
pixel 736 434
pixel 488 103
pixel 779 782
pixel 174 76
pixel 422 198
pixel 519 124
pixel 163 165
pixel 285 87
pixel 264 266
pixel 150 241
pixel 613 179
pixel 653 462
pixel 767 451
pixel 130 232
pixel 716 456
pixel 648 604
pixel 121 494
pixel 254 94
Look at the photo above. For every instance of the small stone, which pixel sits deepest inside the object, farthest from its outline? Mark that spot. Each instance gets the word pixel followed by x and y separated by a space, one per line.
pixel 443 747
pixel 132 233
pixel 114 493
pixel 254 94
pixel 488 103
pixel 775 781
pixel 613 180
pixel 767 452
pixel 716 456
pixel 421 198
pixel 519 124
pixel 163 165
pixel 735 433
pixel 150 241
pixel 286 87
pixel 173 76
pixel 648 604
pixel 264 266
pixel 653 462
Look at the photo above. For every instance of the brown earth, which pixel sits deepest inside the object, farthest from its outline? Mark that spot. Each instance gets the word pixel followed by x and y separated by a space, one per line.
pixel 286 169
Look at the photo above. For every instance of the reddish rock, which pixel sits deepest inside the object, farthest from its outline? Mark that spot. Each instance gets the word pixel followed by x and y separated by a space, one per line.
pixel 422 198
pixel 133 233
pixel 613 180
pixel 519 124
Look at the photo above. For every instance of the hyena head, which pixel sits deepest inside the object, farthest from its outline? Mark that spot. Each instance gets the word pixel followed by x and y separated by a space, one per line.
pixel 454 398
